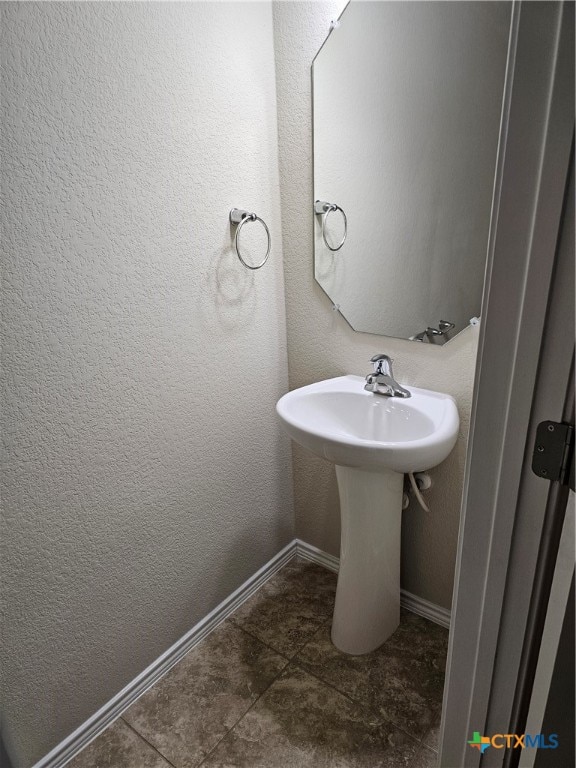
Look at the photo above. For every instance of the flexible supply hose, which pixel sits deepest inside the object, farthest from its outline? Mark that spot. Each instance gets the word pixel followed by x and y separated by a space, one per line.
pixel 417 493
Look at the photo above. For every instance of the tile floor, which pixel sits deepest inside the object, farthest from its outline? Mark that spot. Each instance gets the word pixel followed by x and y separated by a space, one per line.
pixel 267 689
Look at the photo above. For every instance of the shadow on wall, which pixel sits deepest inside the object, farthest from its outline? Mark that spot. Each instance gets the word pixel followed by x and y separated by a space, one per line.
pixel 231 292
pixel 229 297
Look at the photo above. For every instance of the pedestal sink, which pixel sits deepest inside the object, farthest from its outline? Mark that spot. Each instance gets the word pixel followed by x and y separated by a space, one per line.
pixel 373 440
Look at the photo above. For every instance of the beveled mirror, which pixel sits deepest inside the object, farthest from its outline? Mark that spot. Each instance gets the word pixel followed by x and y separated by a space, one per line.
pixel 407 101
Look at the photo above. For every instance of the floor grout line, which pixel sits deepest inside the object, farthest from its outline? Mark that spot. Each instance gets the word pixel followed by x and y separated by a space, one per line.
pixel 284 668
pixel 294 660
pixel 357 701
pixel 369 709
pixel 257 699
pixel 144 739
pixel 280 653
pixel 372 715
pixel 350 698
pixel 234 726
pixel 272 681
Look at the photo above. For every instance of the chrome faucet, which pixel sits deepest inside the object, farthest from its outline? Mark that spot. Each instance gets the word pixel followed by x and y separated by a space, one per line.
pixel 382 382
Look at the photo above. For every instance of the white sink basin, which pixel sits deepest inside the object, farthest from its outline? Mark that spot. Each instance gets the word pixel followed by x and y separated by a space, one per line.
pixel 342 422
pixel 373 440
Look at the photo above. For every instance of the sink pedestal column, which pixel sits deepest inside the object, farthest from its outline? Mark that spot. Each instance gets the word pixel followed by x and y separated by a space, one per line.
pixel 367 608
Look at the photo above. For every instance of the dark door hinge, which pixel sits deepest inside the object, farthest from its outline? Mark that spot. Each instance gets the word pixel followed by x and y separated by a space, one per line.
pixel 553 456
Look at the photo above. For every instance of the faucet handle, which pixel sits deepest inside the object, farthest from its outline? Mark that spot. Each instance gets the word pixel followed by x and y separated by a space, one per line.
pixel 382 364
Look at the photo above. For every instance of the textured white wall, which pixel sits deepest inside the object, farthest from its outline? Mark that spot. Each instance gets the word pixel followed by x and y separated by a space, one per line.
pixel 145 476
pixel 321 344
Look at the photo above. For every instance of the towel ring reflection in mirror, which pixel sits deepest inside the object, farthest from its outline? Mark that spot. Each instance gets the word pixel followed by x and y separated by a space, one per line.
pixel 239 218
pixel 324 209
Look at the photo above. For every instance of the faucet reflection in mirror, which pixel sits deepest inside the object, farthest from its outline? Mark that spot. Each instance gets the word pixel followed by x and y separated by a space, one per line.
pixel 433 335
pixel 407 104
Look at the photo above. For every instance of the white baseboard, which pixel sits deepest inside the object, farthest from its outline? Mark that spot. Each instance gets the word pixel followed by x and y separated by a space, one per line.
pixel 422 607
pixel 411 602
pixel 315 555
pixel 106 715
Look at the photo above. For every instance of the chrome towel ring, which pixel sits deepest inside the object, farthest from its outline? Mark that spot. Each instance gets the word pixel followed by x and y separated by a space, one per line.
pixel 239 218
pixel 325 209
